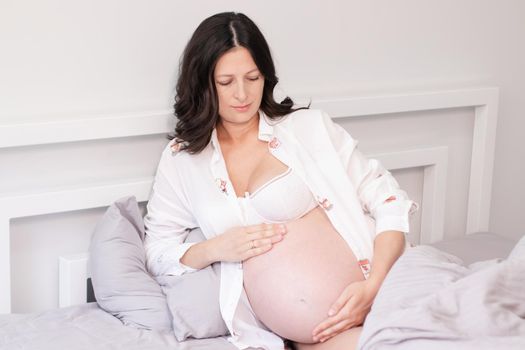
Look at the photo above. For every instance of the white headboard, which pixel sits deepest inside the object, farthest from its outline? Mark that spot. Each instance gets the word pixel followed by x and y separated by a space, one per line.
pixel 433 160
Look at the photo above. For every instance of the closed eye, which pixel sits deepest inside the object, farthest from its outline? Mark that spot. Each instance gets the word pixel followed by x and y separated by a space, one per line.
pixel 226 83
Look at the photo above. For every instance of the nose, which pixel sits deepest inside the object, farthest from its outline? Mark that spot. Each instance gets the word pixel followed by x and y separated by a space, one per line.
pixel 240 92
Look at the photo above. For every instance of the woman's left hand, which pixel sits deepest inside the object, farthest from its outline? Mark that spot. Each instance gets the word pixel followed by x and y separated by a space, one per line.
pixel 349 310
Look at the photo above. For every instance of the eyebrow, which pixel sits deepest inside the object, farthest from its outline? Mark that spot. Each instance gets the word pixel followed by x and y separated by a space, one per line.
pixel 231 75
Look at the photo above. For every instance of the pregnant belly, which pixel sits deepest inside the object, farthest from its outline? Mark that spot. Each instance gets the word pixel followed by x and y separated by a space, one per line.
pixel 292 287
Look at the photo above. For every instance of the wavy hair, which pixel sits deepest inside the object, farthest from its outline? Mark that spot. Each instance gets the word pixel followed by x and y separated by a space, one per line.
pixel 196 102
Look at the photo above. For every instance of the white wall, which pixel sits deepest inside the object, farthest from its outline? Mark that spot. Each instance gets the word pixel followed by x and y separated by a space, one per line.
pixel 59 59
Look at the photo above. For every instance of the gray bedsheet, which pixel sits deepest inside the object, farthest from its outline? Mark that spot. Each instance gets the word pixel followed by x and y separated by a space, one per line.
pixel 88 327
pixel 431 300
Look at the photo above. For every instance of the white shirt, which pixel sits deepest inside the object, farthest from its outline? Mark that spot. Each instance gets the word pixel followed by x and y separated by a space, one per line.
pixel 358 194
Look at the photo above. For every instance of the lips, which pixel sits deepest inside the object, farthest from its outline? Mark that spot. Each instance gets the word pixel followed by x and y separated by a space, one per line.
pixel 242 108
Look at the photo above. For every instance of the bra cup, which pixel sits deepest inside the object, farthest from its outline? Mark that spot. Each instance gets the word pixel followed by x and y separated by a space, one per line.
pixel 285 199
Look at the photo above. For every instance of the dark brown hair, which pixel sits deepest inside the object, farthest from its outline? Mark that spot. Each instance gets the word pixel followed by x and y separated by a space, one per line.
pixel 196 104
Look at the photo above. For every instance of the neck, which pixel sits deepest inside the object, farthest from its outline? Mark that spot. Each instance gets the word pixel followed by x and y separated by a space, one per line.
pixel 236 133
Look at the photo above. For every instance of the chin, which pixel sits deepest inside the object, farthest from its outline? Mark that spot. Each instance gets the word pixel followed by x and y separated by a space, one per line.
pixel 241 117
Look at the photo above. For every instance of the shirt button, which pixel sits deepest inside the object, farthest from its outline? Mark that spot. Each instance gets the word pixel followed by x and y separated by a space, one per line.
pixel 324 203
pixel 221 184
pixel 274 143
pixel 176 146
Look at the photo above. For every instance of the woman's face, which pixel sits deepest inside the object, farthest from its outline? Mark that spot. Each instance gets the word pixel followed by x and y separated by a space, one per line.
pixel 239 86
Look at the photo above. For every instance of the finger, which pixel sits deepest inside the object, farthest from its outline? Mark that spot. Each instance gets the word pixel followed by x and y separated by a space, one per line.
pixel 263 234
pixel 329 331
pixel 334 330
pixel 257 228
pixel 266 241
pixel 251 244
pixel 329 322
pixel 345 313
pixel 347 316
pixel 260 234
pixel 255 251
pixel 272 230
pixel 276 238
pixel 255 243
pixel 266 230
pixel 345 297
pixel 279 228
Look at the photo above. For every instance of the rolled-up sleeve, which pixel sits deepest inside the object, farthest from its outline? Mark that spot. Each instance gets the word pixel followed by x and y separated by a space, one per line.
pixel 167 222
pixel 378 191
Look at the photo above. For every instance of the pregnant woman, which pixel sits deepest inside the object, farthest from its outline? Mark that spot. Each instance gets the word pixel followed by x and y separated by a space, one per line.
pixel 288 205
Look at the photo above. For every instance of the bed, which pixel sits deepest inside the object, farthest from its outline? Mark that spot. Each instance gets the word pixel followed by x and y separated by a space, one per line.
pixel 86 327
pixel 79 323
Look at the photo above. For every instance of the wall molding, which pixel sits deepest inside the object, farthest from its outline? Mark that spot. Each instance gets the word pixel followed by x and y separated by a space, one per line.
pixel 97 127
pixel 85 128
pixel 434 162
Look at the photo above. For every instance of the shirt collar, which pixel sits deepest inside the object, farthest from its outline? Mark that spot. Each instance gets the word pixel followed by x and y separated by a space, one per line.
pixel 265 128
pixel 265 131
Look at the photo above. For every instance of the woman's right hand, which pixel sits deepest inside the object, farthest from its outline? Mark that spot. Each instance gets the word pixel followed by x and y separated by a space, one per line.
pixel 244 242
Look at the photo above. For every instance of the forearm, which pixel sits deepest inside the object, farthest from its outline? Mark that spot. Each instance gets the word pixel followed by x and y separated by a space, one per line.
pixel 198 256
pixel 388 247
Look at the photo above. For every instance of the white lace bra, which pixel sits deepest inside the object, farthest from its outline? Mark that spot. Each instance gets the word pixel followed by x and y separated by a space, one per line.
pixel 283 198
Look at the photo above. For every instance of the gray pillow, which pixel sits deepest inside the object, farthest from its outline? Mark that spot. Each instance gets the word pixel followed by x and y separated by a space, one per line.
pixel 124 288
pixel 193 300
pixel 121 283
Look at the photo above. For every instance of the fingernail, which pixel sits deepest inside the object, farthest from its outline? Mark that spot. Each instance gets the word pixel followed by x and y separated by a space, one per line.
pixel 331 312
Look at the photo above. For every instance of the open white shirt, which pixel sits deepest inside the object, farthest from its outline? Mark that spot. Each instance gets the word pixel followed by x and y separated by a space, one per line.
pixel 358 194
